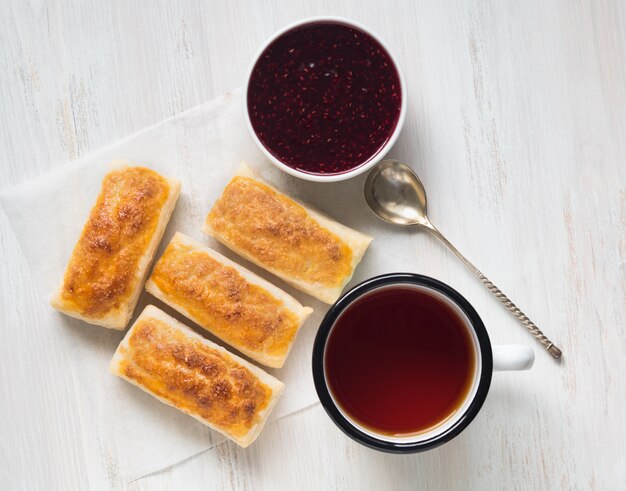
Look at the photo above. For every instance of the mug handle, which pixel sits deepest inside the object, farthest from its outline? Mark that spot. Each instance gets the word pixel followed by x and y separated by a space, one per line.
pixel 508 357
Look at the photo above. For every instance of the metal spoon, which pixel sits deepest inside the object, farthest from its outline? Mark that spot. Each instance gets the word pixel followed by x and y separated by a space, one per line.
pixel 395 194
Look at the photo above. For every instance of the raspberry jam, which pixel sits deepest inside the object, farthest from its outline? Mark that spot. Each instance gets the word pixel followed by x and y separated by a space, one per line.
pixel 324 98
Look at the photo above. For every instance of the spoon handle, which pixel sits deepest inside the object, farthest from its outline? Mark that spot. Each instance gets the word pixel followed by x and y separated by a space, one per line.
pixel 514 309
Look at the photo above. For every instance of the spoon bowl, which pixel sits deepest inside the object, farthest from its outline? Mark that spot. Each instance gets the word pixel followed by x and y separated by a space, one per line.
pixel 395 194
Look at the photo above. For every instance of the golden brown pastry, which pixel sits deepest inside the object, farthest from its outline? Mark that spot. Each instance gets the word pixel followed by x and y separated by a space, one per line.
pixel 306 249
pixel 245 311
pixel 177 366
pixel 109 263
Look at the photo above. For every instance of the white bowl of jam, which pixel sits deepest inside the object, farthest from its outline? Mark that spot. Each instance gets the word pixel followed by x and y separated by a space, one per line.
pixel 325 100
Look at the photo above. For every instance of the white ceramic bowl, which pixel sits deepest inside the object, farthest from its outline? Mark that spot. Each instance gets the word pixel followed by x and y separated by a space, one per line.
pixel 361 168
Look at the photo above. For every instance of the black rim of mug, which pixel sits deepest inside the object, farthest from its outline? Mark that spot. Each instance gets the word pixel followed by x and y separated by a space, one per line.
pixel 318 363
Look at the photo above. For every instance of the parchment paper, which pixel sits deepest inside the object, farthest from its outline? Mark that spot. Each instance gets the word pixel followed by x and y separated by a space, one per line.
pixel 202 147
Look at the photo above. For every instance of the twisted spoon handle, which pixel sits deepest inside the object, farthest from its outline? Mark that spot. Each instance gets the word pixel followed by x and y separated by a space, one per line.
pixel 530 325
pixel 514 309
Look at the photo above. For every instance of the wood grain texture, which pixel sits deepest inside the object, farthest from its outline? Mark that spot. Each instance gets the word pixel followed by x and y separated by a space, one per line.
pixel 516 125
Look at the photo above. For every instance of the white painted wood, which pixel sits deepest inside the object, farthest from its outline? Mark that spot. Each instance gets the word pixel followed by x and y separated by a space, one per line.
pixel 517 126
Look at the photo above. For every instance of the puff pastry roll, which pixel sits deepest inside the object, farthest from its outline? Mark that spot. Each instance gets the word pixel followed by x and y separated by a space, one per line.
pixel 181 368
pixel 237 306
pixel 109 263
pixel 306 249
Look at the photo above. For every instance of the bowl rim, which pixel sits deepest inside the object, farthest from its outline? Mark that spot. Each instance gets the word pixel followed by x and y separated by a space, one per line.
pixel 361 168
pixel 323 391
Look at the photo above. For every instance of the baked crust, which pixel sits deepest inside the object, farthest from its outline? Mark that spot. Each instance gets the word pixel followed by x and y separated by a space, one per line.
pixel 105 273
pixel 242 309
pixel 306 249
pixel 180 368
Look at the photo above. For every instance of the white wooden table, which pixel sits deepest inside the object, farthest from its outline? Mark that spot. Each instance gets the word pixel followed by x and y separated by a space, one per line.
pixel 517 125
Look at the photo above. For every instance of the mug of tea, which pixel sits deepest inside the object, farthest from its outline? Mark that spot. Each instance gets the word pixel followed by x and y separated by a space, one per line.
pixel 403 363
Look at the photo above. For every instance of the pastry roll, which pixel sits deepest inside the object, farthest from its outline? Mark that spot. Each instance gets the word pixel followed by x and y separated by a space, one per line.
pixel 179 367
pixel 306 249
pixel 245 311
pixel 109 263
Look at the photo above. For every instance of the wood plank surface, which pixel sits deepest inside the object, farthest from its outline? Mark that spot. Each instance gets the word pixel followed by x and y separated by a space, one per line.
pixel 516 125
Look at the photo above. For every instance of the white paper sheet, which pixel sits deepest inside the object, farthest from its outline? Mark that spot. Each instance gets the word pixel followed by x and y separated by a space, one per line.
pixel 202 147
